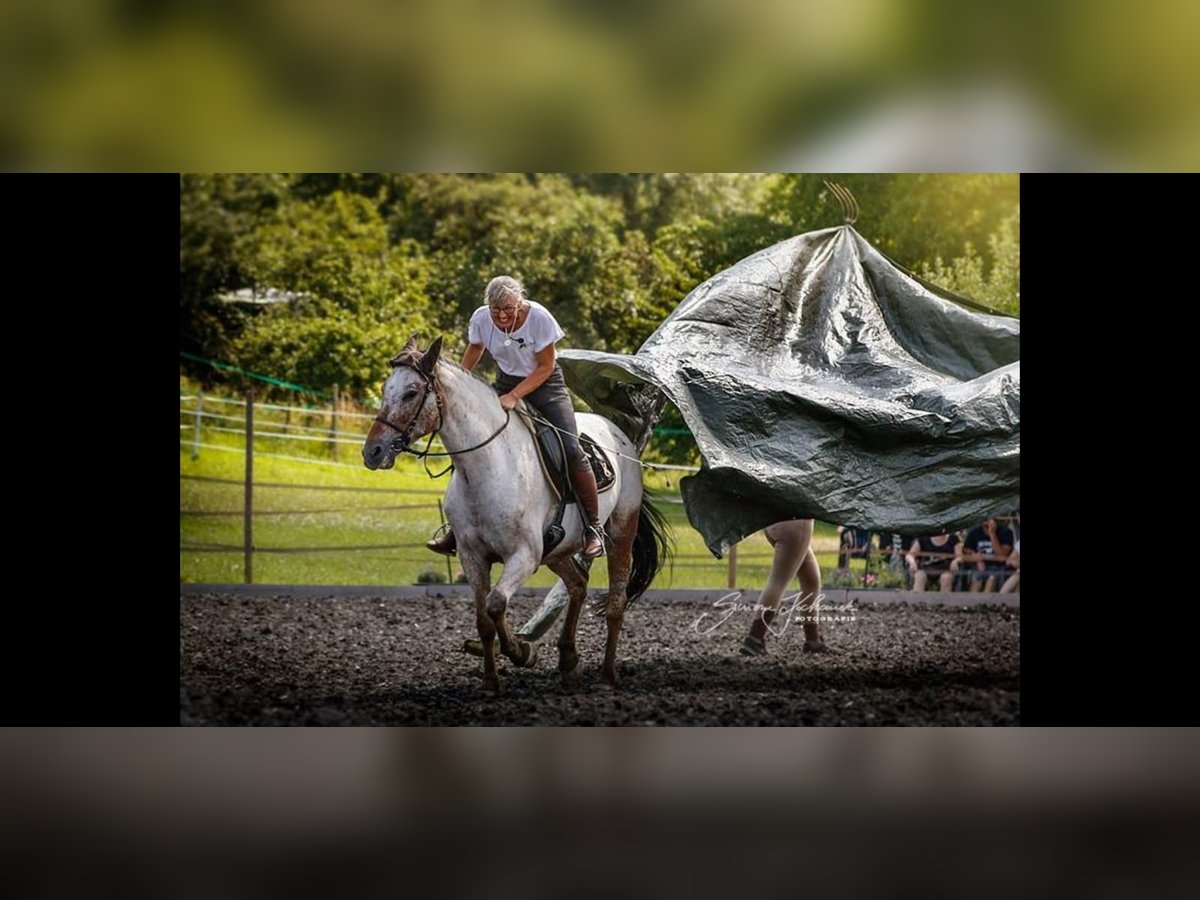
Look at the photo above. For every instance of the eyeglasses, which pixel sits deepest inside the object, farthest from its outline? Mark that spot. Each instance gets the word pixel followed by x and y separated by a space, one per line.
pixel 504 310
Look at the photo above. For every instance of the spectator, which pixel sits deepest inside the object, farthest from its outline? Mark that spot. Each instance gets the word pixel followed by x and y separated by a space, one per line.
pixel 854 543
pixel 896 547
pixel 1013 583
pixel 986 548
pixel 944 567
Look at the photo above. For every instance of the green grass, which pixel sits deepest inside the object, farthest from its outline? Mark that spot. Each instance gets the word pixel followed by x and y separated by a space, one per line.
pixel 362 521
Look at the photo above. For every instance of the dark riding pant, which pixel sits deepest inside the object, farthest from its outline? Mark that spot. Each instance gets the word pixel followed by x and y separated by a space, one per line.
pixel 552 403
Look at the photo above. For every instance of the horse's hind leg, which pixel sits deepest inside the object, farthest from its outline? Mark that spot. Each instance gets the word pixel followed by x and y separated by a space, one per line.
pixel 620 560
pixel 575 581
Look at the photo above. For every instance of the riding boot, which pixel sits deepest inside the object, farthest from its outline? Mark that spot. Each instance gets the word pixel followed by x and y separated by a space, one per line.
pixel 584 482
pixel 447 544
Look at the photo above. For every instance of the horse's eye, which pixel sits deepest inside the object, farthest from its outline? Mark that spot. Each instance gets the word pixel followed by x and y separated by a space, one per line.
pixel 408 395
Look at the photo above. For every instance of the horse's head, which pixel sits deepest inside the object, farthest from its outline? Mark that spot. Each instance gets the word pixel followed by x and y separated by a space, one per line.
pixel 411 405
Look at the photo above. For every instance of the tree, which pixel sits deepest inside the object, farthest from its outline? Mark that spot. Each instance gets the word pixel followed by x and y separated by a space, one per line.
pixel 217 214
pixel 361 296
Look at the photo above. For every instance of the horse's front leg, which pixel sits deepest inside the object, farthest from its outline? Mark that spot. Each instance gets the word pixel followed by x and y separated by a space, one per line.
pixel 479 575
pixel 517 569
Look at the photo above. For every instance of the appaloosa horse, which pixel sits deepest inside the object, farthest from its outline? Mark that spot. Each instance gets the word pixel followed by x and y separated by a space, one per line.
pixel 499 503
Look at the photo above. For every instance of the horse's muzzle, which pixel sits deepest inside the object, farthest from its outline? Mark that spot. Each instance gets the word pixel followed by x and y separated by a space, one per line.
pixel 378 455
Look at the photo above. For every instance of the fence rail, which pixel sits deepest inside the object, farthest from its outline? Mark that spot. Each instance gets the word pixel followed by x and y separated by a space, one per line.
pixel 743 557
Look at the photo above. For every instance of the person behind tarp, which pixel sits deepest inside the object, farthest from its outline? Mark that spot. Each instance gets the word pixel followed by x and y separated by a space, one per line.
pixel 794 557
pixel 984 551
pixel 896 546
pixel 944 568
pixel 855 543
pixel 1013 583
pixel 520 335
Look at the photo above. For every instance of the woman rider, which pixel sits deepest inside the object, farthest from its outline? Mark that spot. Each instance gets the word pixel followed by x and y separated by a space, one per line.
pixel 520 335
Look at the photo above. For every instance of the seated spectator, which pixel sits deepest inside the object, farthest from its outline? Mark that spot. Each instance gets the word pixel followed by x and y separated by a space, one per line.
pixel 984 551
pixel 925 559
pixel 1013 583
pixel 894 547
pixel 855 543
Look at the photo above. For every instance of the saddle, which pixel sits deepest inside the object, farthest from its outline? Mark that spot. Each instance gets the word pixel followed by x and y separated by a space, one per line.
pixel 553 459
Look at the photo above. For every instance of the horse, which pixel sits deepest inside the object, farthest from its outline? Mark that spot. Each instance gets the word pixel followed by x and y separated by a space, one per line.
pixel 499 504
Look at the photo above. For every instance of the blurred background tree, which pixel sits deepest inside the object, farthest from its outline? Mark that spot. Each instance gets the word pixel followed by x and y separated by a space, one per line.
pixel 368 260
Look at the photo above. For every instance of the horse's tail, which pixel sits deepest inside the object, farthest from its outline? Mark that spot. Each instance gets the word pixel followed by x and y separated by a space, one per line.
pixel 652 549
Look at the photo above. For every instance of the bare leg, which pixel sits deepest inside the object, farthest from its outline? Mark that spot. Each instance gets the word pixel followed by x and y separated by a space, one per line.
pixel 919 580
pixel 1012 583
pixel 810 590
pixel 791 541
pixel 946 581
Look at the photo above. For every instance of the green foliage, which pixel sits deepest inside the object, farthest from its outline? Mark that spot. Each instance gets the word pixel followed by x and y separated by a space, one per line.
pixel 217 218
pixel 362 295
pixel 381 257
pixel 914 219
pixel 999 287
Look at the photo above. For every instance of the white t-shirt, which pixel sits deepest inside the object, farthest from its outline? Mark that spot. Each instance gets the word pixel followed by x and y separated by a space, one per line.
pixel 516 357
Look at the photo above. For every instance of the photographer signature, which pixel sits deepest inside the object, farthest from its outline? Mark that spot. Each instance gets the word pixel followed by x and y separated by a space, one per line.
pixel 793 607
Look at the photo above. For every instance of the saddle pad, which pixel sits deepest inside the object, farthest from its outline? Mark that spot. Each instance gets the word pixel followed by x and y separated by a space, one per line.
pixel 554 463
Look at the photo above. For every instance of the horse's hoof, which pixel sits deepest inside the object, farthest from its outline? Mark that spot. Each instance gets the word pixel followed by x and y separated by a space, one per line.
pixel 573 676
pixel 752 646
pixel 490 687
pixel 817 646
pixel 475 647
pixel 531 654
pixel 611 681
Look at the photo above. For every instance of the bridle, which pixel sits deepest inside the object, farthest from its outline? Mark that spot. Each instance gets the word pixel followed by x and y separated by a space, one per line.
pixel 404 435
pixel 400 443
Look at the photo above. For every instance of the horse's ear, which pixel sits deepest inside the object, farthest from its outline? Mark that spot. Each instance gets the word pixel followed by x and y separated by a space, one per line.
pixel 429 360
pixel 410 347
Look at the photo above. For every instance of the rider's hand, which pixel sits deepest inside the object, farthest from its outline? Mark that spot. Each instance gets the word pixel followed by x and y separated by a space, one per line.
pixel 508 401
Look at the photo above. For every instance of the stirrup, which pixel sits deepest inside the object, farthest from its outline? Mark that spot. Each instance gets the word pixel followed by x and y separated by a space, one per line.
pixel 596 533
pixel 444 543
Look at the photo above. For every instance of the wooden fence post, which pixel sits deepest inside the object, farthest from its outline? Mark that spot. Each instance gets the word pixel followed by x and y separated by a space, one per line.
pixel 333 423
pixel 248 506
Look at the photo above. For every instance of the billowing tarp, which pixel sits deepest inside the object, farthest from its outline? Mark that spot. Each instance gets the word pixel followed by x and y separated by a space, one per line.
pixel 821 380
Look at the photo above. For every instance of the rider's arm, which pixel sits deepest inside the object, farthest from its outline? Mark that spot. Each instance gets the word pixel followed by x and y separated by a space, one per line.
pixel 535 379
pixel 471 356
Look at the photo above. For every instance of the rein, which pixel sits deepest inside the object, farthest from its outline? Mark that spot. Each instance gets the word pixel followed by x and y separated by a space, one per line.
pixel 400 444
